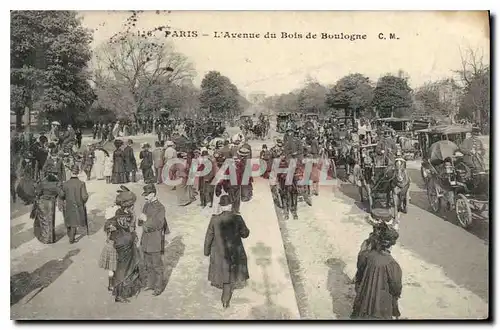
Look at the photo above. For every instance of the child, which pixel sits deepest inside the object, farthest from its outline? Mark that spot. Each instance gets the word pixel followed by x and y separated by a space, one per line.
pixel 108 168
pixel 108 259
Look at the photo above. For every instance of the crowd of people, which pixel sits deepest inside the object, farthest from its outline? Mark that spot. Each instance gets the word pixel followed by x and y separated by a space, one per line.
pixel 136 264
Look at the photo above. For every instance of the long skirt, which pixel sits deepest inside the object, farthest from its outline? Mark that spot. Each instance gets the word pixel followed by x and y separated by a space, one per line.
pixel 127 274
pixel 45 216
pixel 148 175
pixel 26 190
pixel 185 194
pixel 119 177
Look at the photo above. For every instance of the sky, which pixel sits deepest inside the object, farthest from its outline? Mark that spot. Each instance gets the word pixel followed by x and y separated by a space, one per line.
pixel 427 48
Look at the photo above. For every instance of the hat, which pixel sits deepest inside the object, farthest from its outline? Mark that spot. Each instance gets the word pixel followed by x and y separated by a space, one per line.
pixel 145 145
pixel 55 123
pixel 387 236
pixel 182 155
pixel 169 143
pixel 75 169
pixel 225 200
pixel 243 152
pixel 279 142
pixel 148 189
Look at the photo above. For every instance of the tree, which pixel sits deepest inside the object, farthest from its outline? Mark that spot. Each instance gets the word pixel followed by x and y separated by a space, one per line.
pixel 475 104
pixel 49 55
pixel 135 65
pixel 475 77
pixel 439 98
pixel 311 98
pixel 354 92
pixel 392 94
pixel 219 95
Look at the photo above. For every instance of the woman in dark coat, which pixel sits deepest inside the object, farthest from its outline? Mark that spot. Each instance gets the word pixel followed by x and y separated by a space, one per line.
pixel 126 277
pixel 44 209
pixel 119 175
pixel 378 280
pixel 146 158
pixel 228 260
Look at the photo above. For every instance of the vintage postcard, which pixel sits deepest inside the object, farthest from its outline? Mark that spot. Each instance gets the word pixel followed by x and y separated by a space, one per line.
pixel 250 165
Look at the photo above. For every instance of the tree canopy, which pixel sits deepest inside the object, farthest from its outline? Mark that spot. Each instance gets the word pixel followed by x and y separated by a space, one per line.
pixel 354 92
pixel 220 96
pixel 392 94
pixel 49 55
pixel 139 69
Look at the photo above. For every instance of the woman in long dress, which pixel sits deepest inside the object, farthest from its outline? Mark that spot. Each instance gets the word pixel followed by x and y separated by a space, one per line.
pixel 45 208
pixel 146 165
pixel 126 279
pixel 378 280
pixel 100 158
pixel 223 243
pixel 119 174
pixel 184 191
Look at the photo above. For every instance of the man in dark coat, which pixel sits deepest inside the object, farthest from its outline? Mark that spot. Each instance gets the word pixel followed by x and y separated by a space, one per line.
pixel 226 150
pixel 228 260
pixel 378 280
pixel 155 228
pixel 130 161
pixel 75 196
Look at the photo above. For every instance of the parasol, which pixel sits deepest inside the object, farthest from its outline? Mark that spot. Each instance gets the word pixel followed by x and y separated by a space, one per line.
pixel 441 150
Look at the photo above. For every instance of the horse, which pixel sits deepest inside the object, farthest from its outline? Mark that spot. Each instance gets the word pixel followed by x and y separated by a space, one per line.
pixel 364 178
pixel 258 130
pixel 400 186
pixel 346 156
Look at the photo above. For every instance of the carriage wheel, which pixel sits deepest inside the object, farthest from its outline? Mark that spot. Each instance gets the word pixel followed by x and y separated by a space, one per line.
pixel 432 195
pixel 463 210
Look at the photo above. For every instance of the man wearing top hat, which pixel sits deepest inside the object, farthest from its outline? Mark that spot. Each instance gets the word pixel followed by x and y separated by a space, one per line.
pixel 154 225
pixel 75 196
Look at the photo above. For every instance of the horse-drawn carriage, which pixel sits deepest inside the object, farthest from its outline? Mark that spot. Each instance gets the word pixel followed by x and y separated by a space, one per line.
pixel 281 121
pixel 450 177
pixel 427 137
pixel 405 129
pixel 382 174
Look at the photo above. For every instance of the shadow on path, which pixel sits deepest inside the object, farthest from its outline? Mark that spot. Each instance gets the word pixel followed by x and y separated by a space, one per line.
pixel 24 283
pixel 269 310
pixel 18 239
pixel 173 253
pixel 341 289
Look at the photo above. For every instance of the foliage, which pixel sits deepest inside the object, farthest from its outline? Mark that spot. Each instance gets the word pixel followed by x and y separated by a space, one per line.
pixel 439 98
pixel 49 55
pixel 354 92
pixel 475 104
pixel 220 96
pixel 311 98
pixel 391 94
pixel 475 77
pixel 140 69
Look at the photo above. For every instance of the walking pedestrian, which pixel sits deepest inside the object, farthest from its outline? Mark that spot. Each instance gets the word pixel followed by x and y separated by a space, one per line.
pixel 75 196
pixel 130 161
pixel 154 225
pixel 223 243
pixel 108 259
pixel 378 280
pixel 158 160
pixel 146 164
